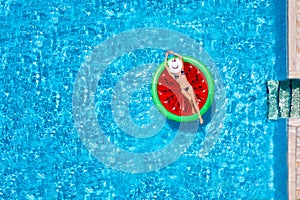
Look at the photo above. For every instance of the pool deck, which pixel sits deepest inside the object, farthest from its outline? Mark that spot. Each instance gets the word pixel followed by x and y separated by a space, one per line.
pixel 294 123
pixel 294 38
pixel 294 158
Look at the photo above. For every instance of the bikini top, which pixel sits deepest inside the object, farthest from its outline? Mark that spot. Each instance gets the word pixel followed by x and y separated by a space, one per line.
pixel 177 76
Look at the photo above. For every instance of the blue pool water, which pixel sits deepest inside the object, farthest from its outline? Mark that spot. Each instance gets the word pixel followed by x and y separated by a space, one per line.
pixel 45 45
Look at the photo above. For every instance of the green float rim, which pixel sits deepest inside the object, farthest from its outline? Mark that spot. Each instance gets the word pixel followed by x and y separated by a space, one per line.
pixel 206 106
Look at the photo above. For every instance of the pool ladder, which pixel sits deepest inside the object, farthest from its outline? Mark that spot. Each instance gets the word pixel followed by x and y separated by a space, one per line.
pixel 284 99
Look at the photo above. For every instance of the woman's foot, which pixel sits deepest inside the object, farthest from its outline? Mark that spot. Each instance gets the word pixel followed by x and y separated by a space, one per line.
pixel 200 120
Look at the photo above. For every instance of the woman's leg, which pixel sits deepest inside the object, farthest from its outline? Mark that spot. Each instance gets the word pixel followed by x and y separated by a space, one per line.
pixel 190 96
pixel 194 102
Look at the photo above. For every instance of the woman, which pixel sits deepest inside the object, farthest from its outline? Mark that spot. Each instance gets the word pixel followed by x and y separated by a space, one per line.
pixel 175 69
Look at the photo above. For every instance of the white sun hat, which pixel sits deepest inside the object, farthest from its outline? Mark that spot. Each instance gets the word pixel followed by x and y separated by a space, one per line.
pixel 175 65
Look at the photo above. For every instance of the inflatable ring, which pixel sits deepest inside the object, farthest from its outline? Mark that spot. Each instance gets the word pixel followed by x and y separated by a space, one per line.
pixel 167 96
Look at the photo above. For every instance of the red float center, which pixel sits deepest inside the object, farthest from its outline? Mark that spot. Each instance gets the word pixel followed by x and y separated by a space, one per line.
pixel 170 95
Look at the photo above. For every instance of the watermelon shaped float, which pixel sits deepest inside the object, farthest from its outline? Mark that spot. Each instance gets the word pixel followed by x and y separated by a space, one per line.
pixel 168 98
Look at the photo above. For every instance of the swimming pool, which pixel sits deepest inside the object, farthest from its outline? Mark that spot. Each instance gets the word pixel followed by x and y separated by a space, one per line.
pixel 46 45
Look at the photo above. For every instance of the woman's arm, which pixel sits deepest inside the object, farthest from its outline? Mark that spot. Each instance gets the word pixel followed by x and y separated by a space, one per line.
pixel 166 64
pixel 175 54
pixel 166 60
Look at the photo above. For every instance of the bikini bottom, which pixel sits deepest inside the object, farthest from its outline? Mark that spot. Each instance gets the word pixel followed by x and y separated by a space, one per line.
pixel 186 88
